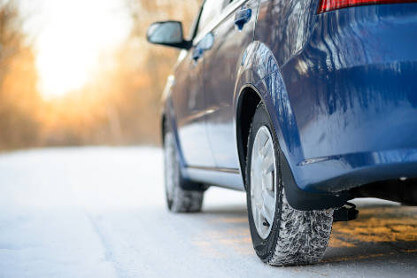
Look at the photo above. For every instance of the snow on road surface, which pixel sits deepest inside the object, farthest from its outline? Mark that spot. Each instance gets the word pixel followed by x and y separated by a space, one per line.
pixel 100 212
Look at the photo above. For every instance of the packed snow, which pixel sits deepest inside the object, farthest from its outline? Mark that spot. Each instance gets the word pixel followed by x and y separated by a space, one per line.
pixel 100 212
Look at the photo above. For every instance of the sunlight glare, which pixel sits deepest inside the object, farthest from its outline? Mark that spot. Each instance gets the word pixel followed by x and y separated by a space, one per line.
pixel 72 36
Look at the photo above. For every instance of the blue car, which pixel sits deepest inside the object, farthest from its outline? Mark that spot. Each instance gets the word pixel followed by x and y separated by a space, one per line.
pixel 303 104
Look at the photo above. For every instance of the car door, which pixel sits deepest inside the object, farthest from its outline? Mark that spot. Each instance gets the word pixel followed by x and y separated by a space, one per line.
pixel 189 107
pixel 233 32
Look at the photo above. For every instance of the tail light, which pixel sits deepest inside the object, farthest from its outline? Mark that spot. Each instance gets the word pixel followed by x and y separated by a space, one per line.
pixel 330 5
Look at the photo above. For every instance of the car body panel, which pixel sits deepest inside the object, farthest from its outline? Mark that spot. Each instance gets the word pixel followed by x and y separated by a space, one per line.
pixel 340 88
pixel 189 109
pixel 350 79
pixel 223 62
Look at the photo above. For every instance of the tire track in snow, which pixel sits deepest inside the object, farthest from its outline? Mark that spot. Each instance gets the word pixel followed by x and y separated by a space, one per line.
pixel 108 253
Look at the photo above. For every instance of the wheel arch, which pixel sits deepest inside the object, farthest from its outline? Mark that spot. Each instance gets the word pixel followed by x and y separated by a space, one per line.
pixel 167 118
pixel 260 79
pixel 247 102
pixel 162 127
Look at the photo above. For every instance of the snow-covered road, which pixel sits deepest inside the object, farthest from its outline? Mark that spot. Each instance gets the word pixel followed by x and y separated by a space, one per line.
pixel 100 212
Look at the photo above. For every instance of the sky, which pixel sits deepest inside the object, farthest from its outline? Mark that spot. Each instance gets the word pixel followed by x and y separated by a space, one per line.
pixel 69 36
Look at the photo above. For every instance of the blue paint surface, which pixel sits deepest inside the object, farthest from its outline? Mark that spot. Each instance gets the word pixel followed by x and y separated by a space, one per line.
pixel 350 88
pixel 340 87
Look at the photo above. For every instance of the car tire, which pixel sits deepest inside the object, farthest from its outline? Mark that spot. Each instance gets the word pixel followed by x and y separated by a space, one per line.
pixel 181 195
pixel 294 237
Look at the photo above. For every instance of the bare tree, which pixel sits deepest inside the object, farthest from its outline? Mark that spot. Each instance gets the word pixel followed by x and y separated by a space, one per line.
pixel 19 100
pixel 10 34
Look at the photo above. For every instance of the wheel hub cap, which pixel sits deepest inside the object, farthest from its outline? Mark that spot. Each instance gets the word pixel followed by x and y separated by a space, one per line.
pixel 263 177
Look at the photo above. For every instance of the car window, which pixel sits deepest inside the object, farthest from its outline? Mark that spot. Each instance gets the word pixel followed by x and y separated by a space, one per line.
pixel 211 9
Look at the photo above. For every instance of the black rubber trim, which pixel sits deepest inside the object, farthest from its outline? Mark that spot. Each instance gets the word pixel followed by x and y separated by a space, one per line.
pixel 302 200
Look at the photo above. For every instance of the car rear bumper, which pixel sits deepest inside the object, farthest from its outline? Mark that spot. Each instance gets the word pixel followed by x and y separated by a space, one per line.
pixel 343 172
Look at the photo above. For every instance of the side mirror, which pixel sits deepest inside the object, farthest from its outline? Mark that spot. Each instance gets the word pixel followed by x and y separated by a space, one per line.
pixel 168 33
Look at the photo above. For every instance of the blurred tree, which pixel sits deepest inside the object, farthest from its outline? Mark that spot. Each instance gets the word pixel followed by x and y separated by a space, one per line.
pixel 120 105
pixel 19 100
pixel 154 63
pixel 10 35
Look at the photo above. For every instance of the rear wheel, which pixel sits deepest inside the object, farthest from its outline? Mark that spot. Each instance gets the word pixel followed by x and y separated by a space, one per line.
pixel 178 197
pixel 280 234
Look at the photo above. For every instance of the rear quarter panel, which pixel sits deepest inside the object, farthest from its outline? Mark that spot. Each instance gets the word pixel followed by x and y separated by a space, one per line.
pixel 348 80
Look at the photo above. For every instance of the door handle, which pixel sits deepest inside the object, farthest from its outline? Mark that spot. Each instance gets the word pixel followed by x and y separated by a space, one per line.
pixel 204 45
pixel 242 17
pixel 197 53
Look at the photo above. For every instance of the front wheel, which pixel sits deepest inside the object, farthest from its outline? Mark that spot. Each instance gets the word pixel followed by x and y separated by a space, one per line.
pixel 178 198
pixel 280 234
